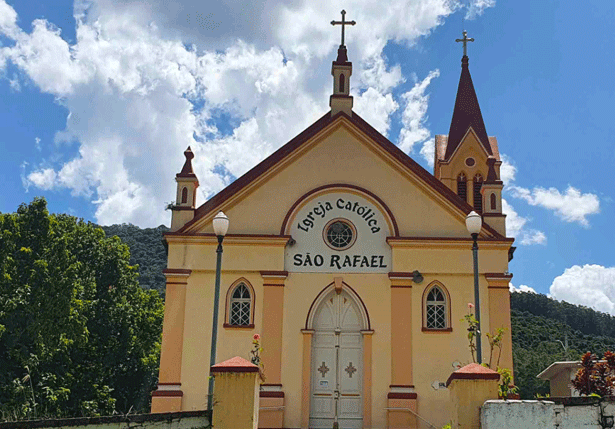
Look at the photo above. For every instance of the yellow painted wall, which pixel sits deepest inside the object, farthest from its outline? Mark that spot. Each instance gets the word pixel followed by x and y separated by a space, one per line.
pixel 342 157
pixel 338 156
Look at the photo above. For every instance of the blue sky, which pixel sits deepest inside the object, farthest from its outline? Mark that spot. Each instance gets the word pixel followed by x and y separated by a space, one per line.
pixel 98 99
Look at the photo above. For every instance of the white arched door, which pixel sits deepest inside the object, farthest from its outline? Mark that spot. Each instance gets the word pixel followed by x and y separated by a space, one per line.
pixel 337 364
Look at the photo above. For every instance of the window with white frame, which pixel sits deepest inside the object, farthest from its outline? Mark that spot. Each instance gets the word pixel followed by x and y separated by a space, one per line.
pixel 436 311
pixel 240 306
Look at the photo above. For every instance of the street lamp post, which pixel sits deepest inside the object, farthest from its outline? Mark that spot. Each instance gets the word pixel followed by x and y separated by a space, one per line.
pixel 220 223
pixel 474 223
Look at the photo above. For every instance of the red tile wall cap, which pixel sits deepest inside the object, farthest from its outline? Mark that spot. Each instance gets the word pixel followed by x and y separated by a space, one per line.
pixel 473 371
pixel 236 364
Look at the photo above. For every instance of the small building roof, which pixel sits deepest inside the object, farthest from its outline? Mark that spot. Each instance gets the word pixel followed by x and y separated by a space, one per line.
pixel 556 367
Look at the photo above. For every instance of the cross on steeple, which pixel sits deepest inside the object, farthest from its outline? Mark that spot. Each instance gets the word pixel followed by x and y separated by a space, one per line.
pixel 343 23
pixel 465 41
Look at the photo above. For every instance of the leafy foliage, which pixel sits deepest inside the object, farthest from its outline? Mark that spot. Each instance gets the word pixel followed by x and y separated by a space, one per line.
pixel 78 336
pixel 147 252
pixel 545 331
pixel 596 377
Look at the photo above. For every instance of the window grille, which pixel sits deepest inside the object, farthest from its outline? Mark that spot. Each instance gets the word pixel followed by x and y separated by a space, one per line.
pixel 240 306
pixel 478 198
pixel 462 187
pixel 436 309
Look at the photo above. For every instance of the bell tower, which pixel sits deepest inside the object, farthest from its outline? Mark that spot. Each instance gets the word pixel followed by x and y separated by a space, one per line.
pixel 467 160
pixel 341 69
pixel 187 183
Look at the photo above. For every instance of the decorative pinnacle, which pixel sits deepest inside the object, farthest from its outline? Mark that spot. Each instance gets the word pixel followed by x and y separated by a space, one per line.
pixel 465 41
pixel 343 23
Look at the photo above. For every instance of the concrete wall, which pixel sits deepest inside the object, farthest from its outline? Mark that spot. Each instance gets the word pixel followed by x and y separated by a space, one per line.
pixel 179 420
pixel 570 413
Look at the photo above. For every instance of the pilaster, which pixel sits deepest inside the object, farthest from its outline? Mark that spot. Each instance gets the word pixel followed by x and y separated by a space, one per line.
pixel 401 399
pixel 272 393
pixel 168 396
pixel 499 312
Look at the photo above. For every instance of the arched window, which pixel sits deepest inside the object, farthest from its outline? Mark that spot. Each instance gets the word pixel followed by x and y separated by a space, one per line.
pixel 478 198
pixel 493 202
pixel 184 195
pixel 436 309
pixel 240 305
pixel 462 186
pixel 341 85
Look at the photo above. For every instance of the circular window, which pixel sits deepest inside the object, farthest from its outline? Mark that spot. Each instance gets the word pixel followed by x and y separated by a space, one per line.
pixel 339 234
pixel 470 162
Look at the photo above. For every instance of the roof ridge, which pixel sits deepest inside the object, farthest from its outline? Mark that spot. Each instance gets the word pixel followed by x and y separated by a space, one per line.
pixel 309 132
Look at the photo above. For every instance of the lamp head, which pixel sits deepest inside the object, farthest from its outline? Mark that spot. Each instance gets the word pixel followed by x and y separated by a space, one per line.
pixel 220 224
pixel 474 222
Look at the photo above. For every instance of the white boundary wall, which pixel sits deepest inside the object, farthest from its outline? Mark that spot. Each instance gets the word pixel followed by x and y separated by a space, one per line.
pixel 585 413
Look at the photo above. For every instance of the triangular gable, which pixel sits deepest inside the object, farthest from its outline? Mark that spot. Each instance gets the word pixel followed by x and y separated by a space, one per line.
pixel 321 124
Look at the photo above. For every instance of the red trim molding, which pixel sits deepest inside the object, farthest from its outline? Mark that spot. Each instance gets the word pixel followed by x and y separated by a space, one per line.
pixel 271 394
pixel 437 330
pixel 169 384
pixel 228 326
pixel 174 393
pixel 176 271
pixel 401 395
pixel 400 275
pixel 499 276
pixel 274 274
pixel 406 386
pixel 468 239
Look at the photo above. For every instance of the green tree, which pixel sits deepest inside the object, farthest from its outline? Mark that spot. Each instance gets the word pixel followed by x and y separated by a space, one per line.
pixel 78 336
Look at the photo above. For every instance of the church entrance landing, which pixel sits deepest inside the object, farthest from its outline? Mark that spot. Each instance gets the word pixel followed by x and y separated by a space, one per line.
pixel 337 363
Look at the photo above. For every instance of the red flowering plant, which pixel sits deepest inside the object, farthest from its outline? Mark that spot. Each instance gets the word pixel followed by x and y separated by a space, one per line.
pixel 596 377
pixel 256 356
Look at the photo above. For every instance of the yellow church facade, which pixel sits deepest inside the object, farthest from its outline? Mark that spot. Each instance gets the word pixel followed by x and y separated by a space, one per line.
pixel 352 263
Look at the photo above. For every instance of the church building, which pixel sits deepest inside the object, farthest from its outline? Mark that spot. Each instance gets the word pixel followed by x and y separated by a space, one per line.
pixel 354 265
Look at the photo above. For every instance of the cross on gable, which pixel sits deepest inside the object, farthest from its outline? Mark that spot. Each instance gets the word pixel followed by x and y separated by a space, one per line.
pixel 465 41
pixel 343 23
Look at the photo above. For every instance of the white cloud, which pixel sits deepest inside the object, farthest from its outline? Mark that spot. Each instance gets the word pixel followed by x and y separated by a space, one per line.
pixel 522 288
pixel 414 116
pixel 571 206
pixel 533 236
pixel 44 179
pixel 508 170
pixel 428 151
pixel 37 143
pixel 515 227
pixel 8 20
pixel 589 285
pixel 477 7
pixel 138 92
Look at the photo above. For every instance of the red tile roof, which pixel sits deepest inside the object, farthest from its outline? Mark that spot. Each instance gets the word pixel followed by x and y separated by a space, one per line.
pixel 466 113
pixel 236 364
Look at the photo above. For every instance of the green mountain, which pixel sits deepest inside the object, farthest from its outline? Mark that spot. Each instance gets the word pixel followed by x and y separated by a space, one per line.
pixel 147 250
pixel 543 330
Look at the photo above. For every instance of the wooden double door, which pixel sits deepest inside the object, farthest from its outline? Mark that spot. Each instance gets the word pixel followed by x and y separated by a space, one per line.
pixel 337 365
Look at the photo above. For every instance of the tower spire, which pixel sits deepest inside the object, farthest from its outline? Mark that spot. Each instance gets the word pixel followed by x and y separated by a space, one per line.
pixel 467 110
pixel 341 101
